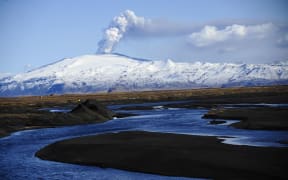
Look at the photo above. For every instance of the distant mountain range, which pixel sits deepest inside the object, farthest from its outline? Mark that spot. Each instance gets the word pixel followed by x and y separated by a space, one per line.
pixel 114 72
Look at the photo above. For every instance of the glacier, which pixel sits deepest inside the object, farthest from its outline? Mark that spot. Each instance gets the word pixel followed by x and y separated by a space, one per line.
pixel 115 72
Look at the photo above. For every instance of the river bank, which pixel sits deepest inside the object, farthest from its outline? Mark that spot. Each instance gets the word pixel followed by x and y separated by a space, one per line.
pixel 255 118
pixel 171 154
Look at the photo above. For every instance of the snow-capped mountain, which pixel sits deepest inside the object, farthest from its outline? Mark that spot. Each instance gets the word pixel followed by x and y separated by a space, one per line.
pixel 4 75
pixel 112 72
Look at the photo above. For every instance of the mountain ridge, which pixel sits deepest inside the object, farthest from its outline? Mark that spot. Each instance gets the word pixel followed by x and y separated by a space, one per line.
pixel 116 72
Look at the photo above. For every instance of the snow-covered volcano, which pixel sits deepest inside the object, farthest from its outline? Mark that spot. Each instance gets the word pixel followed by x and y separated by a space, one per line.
pixel 112 72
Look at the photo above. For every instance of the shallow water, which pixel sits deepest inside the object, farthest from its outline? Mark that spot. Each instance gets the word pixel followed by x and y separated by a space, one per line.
pixel 17 160
pixel 56 109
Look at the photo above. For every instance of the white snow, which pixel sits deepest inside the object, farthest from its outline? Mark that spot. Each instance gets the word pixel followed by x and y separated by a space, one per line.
pixel 111 72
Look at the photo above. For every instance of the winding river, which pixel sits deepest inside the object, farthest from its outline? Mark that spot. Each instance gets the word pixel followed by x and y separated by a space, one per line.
pixel 17 160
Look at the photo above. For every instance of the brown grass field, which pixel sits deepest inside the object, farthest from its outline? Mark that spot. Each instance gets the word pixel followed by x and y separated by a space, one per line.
pixel 18 113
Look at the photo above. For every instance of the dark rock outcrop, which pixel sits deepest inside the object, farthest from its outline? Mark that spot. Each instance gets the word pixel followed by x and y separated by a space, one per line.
pixel 91 109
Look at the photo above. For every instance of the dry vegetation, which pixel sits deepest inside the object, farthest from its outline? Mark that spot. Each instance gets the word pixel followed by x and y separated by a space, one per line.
pixel 145 96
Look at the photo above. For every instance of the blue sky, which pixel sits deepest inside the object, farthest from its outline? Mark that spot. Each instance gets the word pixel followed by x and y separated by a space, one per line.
pixel 38 32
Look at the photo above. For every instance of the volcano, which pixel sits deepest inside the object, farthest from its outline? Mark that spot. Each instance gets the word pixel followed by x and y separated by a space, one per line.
pixel 115 72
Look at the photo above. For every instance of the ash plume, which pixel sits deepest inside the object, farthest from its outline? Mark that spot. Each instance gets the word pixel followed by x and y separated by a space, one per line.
pixel 118 28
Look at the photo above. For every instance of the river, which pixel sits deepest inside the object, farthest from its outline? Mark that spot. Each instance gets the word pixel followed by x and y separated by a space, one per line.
pixel 17 160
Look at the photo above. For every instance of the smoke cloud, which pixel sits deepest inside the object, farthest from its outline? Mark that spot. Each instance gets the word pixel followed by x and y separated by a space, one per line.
pixel 118 28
